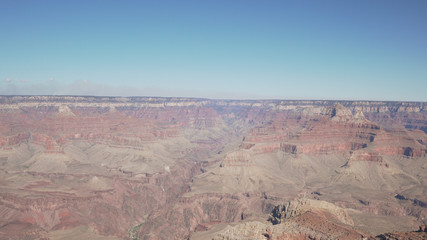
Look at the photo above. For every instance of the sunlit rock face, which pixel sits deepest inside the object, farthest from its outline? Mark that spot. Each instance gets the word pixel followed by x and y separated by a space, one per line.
pixel 179 168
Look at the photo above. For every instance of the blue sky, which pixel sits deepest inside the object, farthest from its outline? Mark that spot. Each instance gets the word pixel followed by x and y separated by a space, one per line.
pixel 356 50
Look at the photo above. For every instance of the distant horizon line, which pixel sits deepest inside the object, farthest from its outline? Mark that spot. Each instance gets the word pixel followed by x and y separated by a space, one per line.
pixel 214 99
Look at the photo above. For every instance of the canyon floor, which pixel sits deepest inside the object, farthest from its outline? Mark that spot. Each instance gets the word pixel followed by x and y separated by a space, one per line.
pixel 179 168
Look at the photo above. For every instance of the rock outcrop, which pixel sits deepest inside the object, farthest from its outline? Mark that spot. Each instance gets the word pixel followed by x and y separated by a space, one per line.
pixel 298 207
pixel 299 219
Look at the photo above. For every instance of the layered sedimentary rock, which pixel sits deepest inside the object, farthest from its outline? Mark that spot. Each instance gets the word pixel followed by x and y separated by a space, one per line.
pixel 67 165
pixel 298 219
pixel 179 168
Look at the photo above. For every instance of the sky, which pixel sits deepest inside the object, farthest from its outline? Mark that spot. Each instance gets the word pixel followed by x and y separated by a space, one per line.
pixel 233 49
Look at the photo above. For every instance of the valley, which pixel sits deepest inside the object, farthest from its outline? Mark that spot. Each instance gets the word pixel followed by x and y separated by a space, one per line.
pixel 74 167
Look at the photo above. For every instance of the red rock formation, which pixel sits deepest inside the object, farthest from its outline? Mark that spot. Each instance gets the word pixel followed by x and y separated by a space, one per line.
pixel 421 234
pixel 165 142
pixel 336 132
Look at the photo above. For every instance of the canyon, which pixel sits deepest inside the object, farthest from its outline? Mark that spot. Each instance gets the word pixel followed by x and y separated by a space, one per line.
pixel 82 167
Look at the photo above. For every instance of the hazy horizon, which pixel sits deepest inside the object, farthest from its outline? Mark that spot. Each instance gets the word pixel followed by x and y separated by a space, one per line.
pixel 291 50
